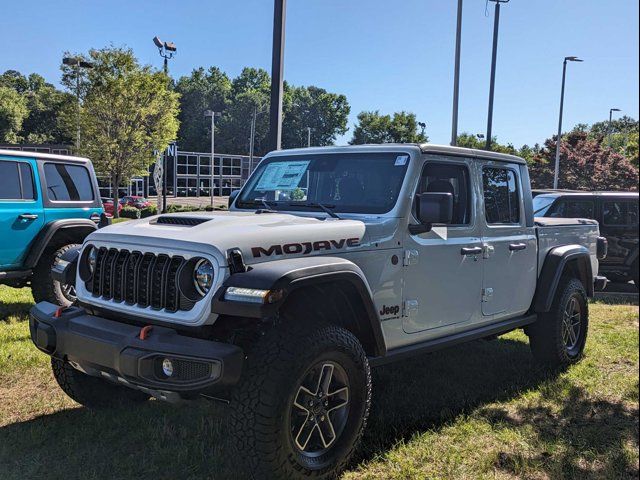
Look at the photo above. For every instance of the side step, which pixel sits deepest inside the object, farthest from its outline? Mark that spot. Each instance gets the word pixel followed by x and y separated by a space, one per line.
pixel 408 351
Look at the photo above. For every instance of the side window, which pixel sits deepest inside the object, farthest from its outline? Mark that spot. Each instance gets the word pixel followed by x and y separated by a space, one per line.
pixel 67 183
pixel 501 198
pixel 9 181
pixel 620 212
pixel 573 209
pixel 453 179
pixel 16 181
pixel 26 176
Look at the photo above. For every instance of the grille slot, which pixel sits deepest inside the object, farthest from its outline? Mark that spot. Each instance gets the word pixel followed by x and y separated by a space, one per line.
pixel 138 279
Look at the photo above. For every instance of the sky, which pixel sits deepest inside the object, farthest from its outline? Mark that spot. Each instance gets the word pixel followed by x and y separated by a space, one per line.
pixel 383 55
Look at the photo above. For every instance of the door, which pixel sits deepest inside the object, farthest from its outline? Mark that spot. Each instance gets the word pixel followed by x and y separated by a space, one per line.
pixel 509 245
pixel 620 226
pixel 21 213
pixel 443 267
pixel 137 187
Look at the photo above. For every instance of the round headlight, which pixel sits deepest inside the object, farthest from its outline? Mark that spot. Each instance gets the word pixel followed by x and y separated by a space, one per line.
pixel 92 259
pixel 203 276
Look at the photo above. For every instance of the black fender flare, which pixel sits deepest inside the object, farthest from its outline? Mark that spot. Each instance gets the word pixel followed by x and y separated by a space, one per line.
pixel 289 275
pixel 553 268
pixel 47 232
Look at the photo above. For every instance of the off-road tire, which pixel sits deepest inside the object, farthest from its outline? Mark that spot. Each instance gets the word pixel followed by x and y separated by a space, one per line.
pixel 92 392
pixel 260 421
pixel 43 286
pixel 546 335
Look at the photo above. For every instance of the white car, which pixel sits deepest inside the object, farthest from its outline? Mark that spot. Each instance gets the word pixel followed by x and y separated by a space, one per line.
pixel 330 261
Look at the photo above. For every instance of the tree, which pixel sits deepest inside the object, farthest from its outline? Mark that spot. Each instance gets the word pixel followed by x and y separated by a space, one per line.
pixel 13 110
pixel 584 165
pixel 468 140
pixel 326 114
pixel 200 91
pixel 128 112
pixel 375 128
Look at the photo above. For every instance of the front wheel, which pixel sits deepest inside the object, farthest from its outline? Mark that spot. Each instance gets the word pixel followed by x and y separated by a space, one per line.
pixel 301 404
pixel 558 337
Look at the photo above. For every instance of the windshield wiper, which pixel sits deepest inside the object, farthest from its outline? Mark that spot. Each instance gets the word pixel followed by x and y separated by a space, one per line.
pixel 325 208
pixel 268 208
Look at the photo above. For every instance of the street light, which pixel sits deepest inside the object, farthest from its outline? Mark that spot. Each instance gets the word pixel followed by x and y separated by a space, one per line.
pixel 558 140
pixel 492 83
pixel 167 50
pixel 422 125
pixel 611 110
pixel 213 115
pixel 78 63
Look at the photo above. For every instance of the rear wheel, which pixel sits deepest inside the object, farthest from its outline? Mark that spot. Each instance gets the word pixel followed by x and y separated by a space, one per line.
pixel 92 392
pixel 558 337
pixel 301 404
pixel 44 287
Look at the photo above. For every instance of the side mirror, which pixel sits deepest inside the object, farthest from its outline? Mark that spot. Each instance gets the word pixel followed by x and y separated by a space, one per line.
pixel 232 197
pixel 432 207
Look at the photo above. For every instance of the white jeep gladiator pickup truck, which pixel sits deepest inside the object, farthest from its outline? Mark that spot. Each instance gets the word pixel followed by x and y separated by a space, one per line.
pixel 329 261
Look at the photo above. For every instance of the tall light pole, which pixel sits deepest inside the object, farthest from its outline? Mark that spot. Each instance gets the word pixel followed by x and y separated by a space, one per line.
pixel 213 115
pixel 556 170
pixel 611 110
pixel 277 73
pixel 78 63
pixel 167 51
pixel 456 78
pixel 422 126
pixel 492 82
pixel 308 136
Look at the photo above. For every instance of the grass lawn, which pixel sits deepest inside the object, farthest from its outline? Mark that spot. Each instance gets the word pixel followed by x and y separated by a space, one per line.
pixel 482 410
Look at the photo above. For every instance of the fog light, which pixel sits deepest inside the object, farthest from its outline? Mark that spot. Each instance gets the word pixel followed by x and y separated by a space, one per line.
pixel 167 367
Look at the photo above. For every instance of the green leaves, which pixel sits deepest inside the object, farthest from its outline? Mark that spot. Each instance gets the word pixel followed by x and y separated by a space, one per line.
pixel 372 127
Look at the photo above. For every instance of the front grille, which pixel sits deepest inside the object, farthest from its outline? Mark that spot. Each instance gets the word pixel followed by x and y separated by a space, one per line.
pixel 139 279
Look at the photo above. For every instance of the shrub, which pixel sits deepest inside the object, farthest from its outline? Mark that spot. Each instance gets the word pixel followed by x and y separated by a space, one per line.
pixel 129 212
pixel 174 208
pixel 149 211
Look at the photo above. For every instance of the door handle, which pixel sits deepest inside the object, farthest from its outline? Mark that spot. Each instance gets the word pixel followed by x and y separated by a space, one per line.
pixel 517 246
pixel 28 216
pixel 470 251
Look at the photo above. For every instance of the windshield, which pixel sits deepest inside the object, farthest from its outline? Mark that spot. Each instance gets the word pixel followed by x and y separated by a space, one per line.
pixel 355 182
pixel 541 205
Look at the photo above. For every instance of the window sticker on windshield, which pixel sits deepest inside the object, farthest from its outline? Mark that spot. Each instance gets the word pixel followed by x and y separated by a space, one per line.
pixel 401 160
pixel 282 175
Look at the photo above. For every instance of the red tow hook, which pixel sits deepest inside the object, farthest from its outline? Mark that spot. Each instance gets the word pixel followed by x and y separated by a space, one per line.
pixel 59 311
pixel 145 331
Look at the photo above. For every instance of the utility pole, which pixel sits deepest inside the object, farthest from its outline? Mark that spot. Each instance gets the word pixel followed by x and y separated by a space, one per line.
pixel 78 63
pixel 456 78
pixel 610 132
pixel 556 170
pixel 167 51
pixel 308 136
pixel 492 82
pixel 213 115
pixel 277 73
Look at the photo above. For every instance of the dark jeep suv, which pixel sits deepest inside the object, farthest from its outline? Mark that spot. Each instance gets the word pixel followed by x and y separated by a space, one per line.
pixel 617 213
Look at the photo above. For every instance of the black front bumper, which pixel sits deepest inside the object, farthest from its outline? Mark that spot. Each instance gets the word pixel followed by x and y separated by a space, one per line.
pixel 103 347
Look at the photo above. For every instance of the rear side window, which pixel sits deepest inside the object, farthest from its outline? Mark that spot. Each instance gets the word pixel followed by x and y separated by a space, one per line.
pixel 68 183
pixel 620 212
pixel 448 178
pixel 16 181
pixel 573 209
pixel 501 199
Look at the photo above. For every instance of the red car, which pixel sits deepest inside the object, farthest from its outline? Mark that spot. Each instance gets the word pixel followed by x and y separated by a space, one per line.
pixel 107 204
pixel 135 201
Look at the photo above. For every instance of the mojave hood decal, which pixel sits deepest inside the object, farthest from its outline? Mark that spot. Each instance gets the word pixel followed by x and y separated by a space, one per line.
pixel 260 237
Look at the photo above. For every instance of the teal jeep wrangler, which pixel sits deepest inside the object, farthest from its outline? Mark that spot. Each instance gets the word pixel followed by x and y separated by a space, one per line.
pixel 48 204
